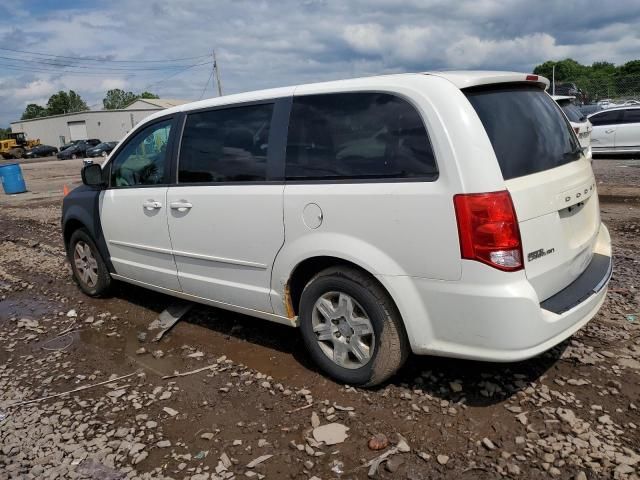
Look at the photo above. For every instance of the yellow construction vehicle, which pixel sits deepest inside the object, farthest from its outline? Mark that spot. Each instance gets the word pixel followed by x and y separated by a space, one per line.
pixel 16 145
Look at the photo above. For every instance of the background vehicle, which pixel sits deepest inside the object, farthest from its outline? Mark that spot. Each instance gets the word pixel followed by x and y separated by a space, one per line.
pixel 445 213
pixel 578 120
pixel 102 149
pixel 16 145
pixel 616 130
pixel 78 149
pixel 41 151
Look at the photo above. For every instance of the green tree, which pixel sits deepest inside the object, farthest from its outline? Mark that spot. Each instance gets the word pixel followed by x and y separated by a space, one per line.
pixel 603 68
pixel 116 98
pixel 34 110
pixel 630 68
pixel 63 102
pixel 4 133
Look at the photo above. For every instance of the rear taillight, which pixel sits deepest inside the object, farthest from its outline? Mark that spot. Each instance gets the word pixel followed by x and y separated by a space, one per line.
pixel 532 78
pixel 488 229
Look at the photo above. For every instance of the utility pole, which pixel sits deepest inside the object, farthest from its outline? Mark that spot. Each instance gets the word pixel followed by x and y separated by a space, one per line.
pixel 553 79
pixel 216 70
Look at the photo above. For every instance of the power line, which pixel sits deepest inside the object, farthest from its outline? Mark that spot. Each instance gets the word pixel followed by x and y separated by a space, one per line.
pixel 207 83
pixel 55 63
pixel 62 72
pixel 89 59
pixel 172 75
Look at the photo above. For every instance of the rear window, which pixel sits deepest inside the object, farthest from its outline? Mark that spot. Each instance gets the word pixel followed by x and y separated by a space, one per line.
pixel 573 113
pixel 528 132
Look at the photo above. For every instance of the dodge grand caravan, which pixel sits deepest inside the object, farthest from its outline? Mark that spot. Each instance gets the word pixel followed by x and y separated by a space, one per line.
pixel 445 214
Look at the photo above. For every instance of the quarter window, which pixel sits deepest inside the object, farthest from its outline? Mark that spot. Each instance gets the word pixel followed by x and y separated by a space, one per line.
pixel 142 161
pixel 228 145
pixel 357 136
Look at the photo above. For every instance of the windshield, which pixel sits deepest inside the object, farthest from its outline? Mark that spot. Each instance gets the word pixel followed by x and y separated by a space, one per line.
pixel 102 145
pixel 528 132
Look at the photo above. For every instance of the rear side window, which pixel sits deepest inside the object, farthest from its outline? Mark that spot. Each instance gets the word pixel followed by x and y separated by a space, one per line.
pixel 228 145
pixel 632 115
pixel 606 118
pixel 528 132
pixel 346 136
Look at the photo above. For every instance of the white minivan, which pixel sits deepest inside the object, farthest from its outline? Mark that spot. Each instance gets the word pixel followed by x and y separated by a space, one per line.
pixel 445 213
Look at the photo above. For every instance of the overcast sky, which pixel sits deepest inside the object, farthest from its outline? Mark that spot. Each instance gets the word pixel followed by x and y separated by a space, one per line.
pixel 277 43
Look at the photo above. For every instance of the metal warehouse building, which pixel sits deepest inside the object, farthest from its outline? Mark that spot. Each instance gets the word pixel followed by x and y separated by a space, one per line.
pixel 106 125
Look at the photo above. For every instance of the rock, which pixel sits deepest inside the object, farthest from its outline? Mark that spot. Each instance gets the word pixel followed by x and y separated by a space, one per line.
pixel 331 434
pixel 158 354
pixel 89 319
pixel 378 442
pixel 237 443
pixel 151 424
pixel 488 444
pixel 315 420
pixel 116 393
pixel 630 363
pixel 580 476
pixel 72 313
pixel 258 460
pixel 170 411
pixel 403 445
pixel 165 395
pixel 605 420
pixel 28 323
pixel 394 463
pixel 196 355
pixel 455 387
pixel 141 350
pixel 142 336
pixel 513 469
pixel 163 444
pixel 207 436
pixel 140 457
pixel 308 464
pixel 442 459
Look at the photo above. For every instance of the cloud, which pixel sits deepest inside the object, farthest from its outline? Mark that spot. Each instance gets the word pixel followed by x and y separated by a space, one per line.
pixel 261 43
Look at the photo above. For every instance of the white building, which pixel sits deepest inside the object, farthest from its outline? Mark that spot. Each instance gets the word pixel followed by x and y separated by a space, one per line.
pixel 106 125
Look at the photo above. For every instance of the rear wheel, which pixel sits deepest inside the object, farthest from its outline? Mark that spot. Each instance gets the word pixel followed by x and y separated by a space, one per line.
pixel 351 327
pixel 89 270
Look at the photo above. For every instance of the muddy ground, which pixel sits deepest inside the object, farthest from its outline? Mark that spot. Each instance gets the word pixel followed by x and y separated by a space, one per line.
pixel 569 413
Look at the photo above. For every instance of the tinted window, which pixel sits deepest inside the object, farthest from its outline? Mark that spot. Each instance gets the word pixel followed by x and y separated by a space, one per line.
pixel 605 118
pixel 142 160
pixel 228 145
pixel 632 115
pixel 527 131
pixel 357 136
pixel 573 113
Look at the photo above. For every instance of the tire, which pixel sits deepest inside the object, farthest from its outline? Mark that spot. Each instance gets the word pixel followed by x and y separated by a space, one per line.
pixel 73 156
pixel 98 281
pixel 369 302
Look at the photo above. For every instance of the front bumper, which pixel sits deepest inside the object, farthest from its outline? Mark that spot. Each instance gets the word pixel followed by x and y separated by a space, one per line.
pixel 497 316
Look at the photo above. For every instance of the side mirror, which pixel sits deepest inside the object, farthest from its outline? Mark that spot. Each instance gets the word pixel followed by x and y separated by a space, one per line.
pixel 92 175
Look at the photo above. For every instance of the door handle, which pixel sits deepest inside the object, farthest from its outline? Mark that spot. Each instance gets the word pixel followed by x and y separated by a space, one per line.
pixel 181 206
pixel 152 205
pixel 610 131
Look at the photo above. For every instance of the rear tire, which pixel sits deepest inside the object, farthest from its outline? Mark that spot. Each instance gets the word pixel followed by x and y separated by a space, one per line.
pixel 344 309
pixel 89 270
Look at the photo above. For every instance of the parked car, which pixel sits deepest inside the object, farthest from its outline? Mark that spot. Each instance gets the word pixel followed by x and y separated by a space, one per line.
pixel 451 213
pixel 590 108
pixel 77 150
pixel 579 122
pixel 102 149
pixel 41 151
pixel 616 130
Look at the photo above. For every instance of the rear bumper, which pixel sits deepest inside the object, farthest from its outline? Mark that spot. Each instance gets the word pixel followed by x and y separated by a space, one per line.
pixel 497 316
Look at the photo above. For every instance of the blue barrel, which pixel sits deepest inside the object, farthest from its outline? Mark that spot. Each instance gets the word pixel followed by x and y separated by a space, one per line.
pixel 12 179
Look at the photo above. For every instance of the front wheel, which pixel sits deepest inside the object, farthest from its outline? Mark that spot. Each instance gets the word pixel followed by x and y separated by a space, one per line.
pixel 351 327
pixel 89 270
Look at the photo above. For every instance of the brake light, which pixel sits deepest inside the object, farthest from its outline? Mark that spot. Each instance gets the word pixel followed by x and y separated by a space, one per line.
pixel 532 78
pixel 488 229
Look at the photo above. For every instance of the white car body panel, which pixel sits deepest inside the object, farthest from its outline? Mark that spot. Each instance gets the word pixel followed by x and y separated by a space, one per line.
pixel 225 244
pixel 238 245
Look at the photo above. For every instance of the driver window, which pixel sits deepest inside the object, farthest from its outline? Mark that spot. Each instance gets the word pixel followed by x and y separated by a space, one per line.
pixel 142 161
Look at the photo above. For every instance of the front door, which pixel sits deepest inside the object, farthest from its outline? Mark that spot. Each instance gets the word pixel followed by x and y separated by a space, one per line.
pixel 225 215
pixel 603 135
pixel 133 210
